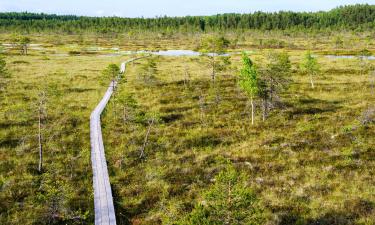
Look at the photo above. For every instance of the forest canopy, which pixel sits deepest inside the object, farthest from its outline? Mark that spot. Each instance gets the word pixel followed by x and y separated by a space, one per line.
pixel 360 16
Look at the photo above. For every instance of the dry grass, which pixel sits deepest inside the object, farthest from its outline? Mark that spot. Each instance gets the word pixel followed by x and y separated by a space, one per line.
pixel 310 162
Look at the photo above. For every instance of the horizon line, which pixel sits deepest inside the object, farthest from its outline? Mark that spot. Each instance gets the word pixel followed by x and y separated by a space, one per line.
pixel 163 16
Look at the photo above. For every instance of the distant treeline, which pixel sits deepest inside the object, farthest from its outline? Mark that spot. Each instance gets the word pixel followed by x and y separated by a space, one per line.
pixel 344 17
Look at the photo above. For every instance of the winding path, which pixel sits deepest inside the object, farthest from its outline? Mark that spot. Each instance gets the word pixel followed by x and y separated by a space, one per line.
pixel 103 201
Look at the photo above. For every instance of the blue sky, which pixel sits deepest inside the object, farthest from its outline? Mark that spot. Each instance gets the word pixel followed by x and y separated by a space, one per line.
pixel 151 8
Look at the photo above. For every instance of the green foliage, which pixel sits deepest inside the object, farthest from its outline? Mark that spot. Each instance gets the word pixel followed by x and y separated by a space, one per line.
pixel 298 159
pixel 248 77
pixel 223 64
pixel 228 201
pixel 364 53
pixel 288 158
pixel 111 72
pixel 339 43
pixel 4 73
pixel 23 43
pixel 271 43
pixel 214 44
pixel 279 65
pixel 309 65
pixel 24 40
pixel 350 17
pixel 149 69
pixel 273 80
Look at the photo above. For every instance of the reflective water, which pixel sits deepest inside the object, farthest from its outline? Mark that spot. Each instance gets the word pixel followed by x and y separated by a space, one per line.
pixel 174 53
pixel 179 53
pixel 349 57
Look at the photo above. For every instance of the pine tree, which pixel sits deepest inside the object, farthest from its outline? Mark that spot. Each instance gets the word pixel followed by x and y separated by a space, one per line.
pixel 212 47
pixel 228 201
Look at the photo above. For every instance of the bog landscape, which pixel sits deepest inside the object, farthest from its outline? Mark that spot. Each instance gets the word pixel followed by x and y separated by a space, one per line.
pixel 261 118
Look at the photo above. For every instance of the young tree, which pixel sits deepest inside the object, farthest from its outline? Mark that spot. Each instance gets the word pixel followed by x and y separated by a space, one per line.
pixel 249 81
pixel 3 73
pixel 151 120
pixel 24 43
pixel 273 80
pixel 363 63
pixel 128 104
pixel 3 69
pixel 149 69
pixel 41 118
pixel 111 72
pixel 311 67
pixel 186 77
pixel 212 47
pixel 228 201
pixel 339 43
pixel 145 142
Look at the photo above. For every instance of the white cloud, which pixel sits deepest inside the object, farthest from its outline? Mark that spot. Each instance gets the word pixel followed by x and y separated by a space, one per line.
pixel 99 12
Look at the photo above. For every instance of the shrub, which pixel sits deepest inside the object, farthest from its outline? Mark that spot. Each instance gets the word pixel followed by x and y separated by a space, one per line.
pixel 228 201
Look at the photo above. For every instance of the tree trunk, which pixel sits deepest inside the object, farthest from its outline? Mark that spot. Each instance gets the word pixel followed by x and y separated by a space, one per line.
pixel 40 167
pixel 271 89
pixel 142 155
pixel 264 103
pixel 213 68
pixel 124 115
pixel 311 81
pixel 114 105
pixel 24 49
pixel 252 111
pixel 186 78
pixel 372 82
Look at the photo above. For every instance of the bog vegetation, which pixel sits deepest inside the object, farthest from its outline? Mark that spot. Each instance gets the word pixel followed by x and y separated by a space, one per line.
pixel 272 124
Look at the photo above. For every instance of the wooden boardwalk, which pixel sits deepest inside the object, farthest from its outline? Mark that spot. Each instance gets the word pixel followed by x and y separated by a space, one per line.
pixel 103 201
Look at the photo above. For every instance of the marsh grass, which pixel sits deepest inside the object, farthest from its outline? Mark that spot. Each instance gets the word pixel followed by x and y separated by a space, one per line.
pixel 62 192
pixel 306 162
pixel 310 162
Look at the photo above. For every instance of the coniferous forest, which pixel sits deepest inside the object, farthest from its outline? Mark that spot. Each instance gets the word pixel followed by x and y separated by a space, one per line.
pixel 357 17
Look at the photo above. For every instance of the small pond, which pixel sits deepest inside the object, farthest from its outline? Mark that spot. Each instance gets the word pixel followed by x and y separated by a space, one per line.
pixel 173 53
pixel 349 57
pixel 179 53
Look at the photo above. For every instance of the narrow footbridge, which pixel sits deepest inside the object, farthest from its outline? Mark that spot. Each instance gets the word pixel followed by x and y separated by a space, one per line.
pixel 103 201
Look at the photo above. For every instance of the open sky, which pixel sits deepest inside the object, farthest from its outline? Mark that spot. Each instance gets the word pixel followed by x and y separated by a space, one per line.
pixel 152 8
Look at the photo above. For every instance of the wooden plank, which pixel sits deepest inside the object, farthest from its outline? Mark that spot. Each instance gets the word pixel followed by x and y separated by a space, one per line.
pixel 103 200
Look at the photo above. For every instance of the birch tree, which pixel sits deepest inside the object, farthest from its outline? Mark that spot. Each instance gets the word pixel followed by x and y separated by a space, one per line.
pixel 248 81
pixel 41 118
pixel 310 67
